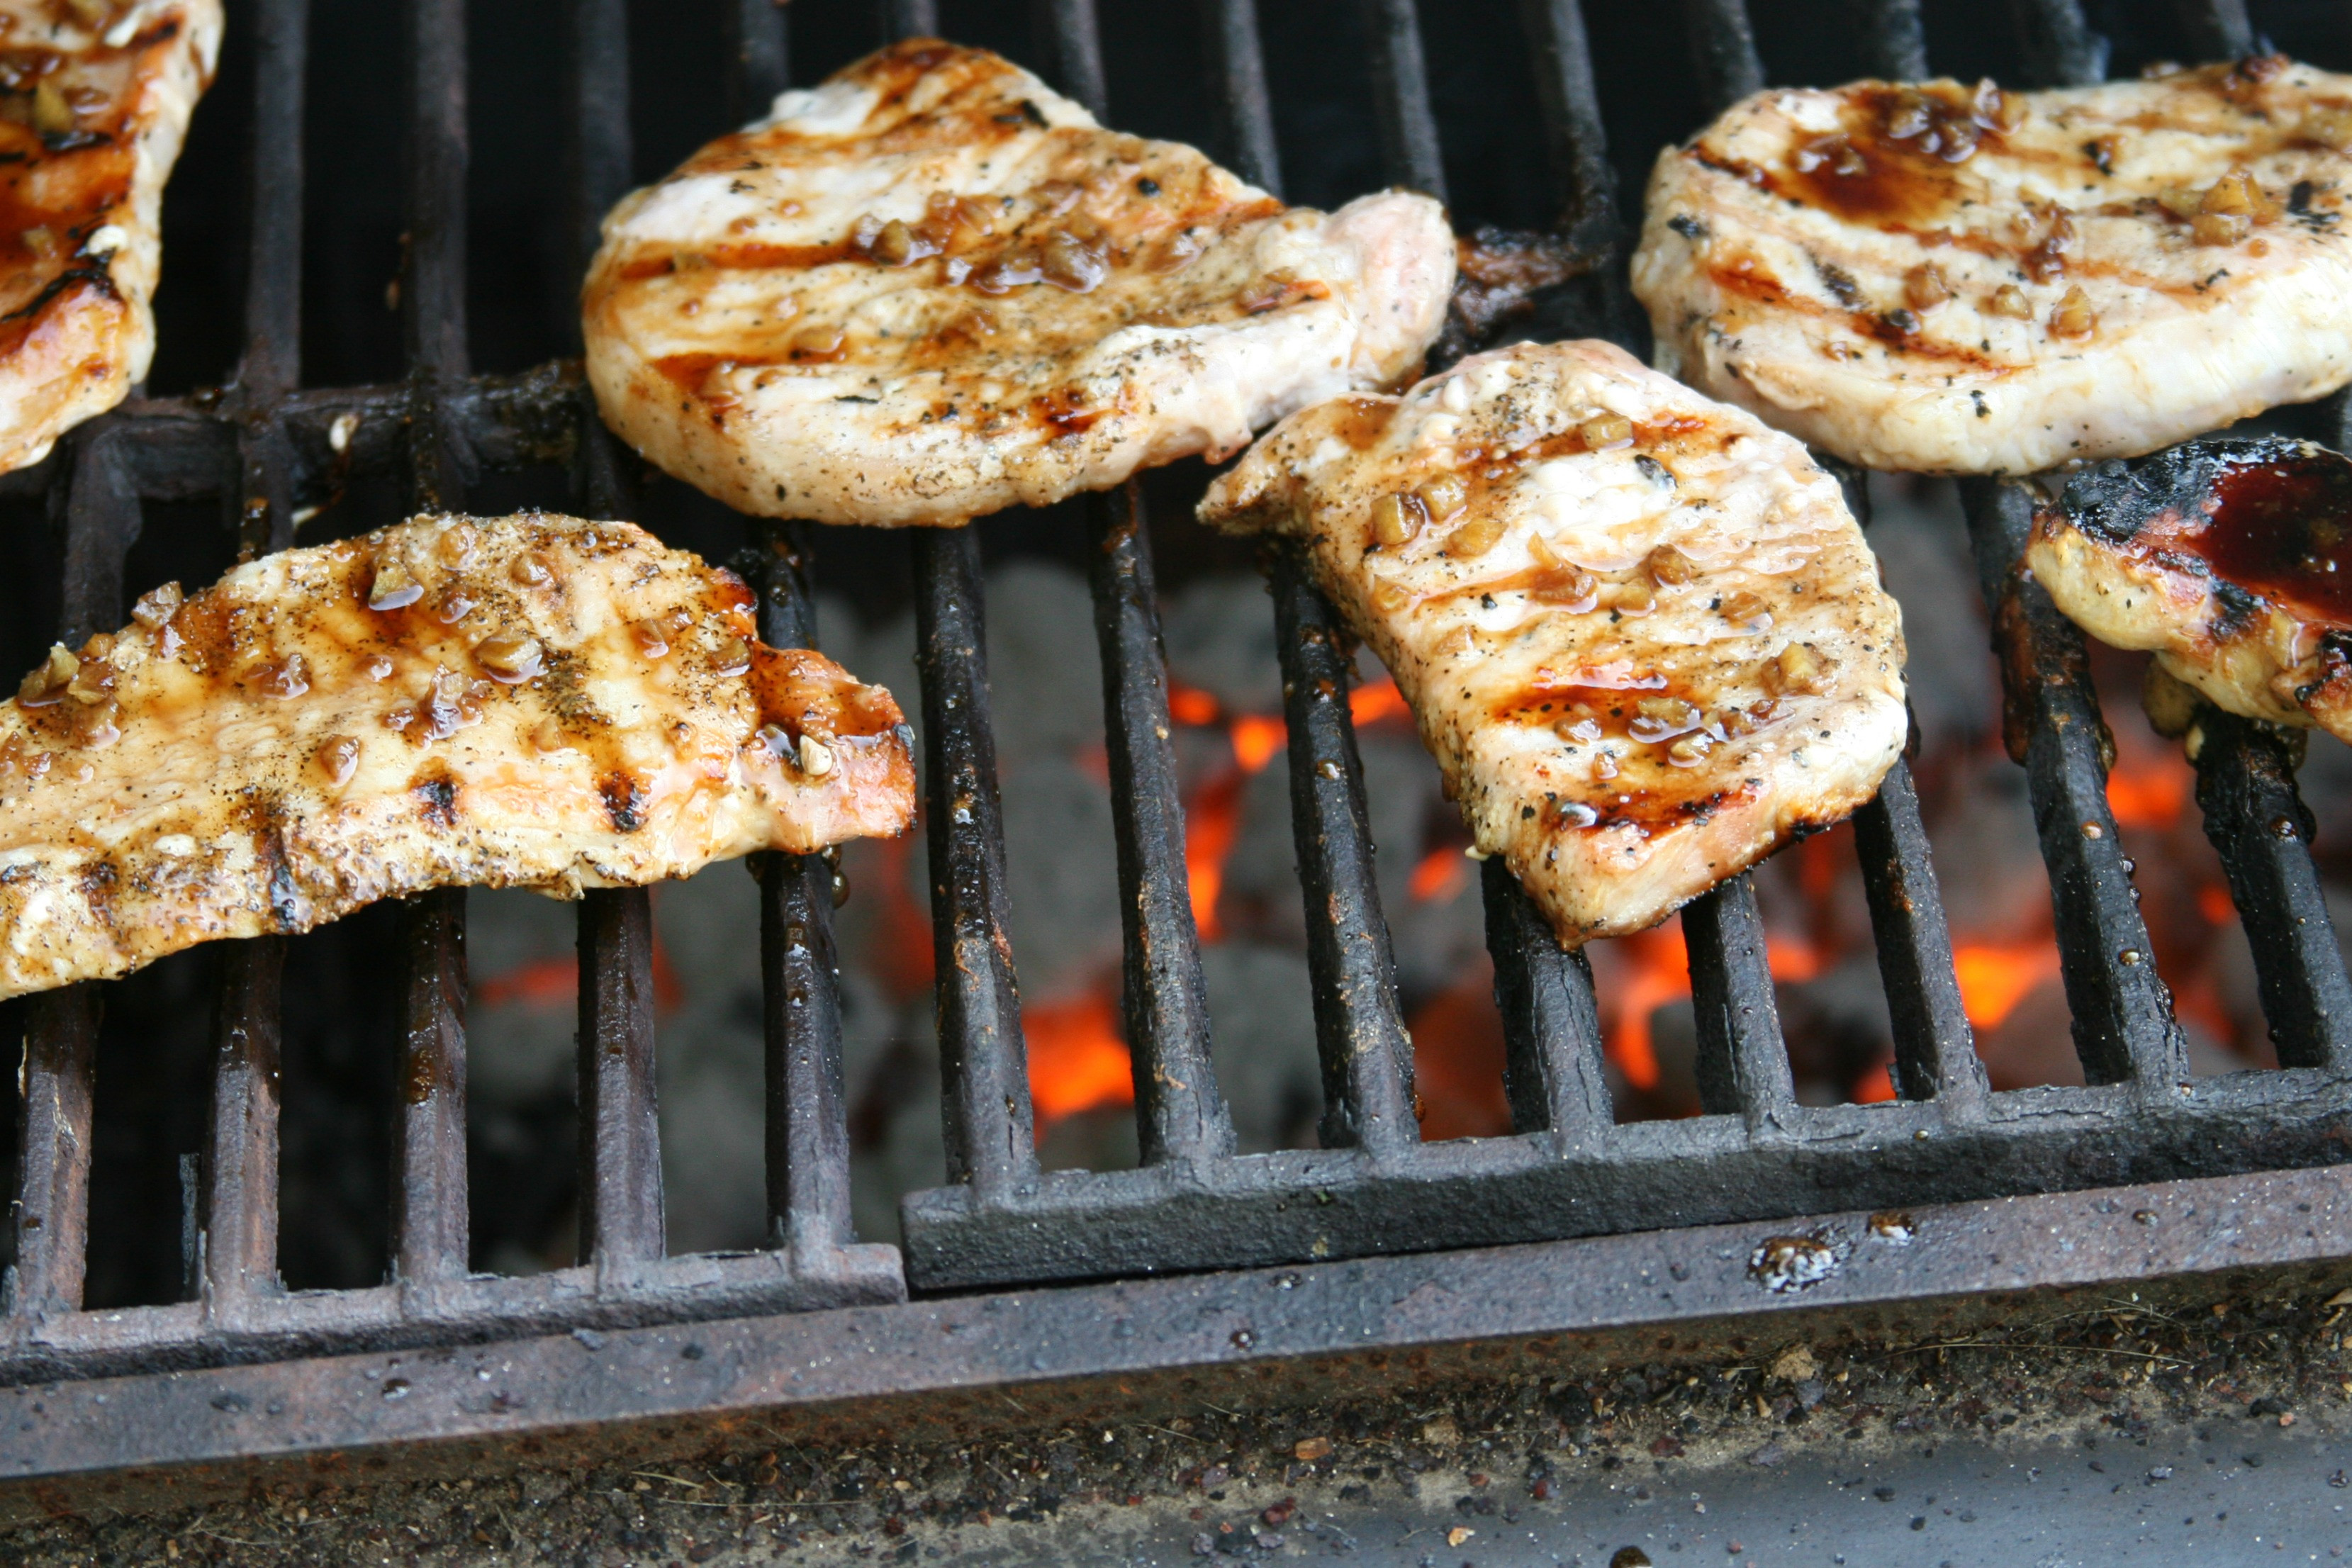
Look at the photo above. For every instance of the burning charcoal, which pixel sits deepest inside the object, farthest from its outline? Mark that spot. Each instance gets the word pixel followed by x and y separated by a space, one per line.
pixel 1044 671
pixel 1265 1021
pixel 1061 873
pixel 1220 639
pixel 1922 546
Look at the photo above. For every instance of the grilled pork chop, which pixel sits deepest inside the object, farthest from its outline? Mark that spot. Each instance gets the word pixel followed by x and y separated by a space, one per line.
pixel 932 289
pixel 525 701
pixel 2231 559
pixel 95 97
pixel 1959 280
pixel 1641 634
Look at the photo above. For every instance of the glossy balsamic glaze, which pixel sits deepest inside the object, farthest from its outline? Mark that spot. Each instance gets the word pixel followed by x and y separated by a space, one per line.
pixel 2281 529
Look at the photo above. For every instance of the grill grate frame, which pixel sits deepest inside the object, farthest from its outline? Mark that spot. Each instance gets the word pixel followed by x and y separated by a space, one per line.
pixel 1567 1170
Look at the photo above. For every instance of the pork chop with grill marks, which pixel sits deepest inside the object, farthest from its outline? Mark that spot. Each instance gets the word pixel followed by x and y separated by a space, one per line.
pixel 2231 559
pixel 1967 280
pixel 526 702
pixel 1639 630
pixel 932 288
pixel 95 97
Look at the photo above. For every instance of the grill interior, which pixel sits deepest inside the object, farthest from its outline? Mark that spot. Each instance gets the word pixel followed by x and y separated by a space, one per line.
pixel 268 447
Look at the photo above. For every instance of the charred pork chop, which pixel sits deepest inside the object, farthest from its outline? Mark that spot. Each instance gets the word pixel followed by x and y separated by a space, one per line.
pixel 95 97
pixel 1641 634
pixel 526 702
pixel 1967 280
pixel 2231 559
pixel 932 289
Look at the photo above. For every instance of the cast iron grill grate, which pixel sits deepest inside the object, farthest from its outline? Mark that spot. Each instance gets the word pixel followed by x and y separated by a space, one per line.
pixel 1193 1204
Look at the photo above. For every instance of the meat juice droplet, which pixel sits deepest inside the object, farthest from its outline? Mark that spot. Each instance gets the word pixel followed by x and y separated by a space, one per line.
pixel 2284 529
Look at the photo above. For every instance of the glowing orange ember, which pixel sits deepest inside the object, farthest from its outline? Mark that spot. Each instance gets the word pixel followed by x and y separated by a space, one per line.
pixel 1440 874
pixel 2149 792
pixel 1995 979
pixel 1190 704
pixel 1211 824
pixel 1256 737
pixel 2213 901
pixel 1661 974
pixel 1874 1086
pixel 1381 699
pixel 1792 957
pixel 1076 1060
pixel 542 983
pixel 1457 1055
pixel 555 983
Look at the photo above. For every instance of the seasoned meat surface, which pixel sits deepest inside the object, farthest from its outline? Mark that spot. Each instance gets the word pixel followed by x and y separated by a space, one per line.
pixel 932 289
pixel 1967 280
pixel 95 97
pixel 1639 631
pixel 524 702
pixel 2231 559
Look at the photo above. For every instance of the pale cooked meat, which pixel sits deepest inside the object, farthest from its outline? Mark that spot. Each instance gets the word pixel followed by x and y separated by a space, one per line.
pixel 95 97
pixel 524 702
pixel 932 289
pixel 1639 631
pixel 2231 559
pixel 1958 280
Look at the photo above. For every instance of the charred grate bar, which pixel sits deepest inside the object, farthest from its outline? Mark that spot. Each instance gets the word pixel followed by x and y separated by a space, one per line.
pixel 1567 1170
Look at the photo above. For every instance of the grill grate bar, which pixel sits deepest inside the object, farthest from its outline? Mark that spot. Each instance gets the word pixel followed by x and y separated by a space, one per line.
pixel 1408 124
pixel 2123 1028
pixel 240 1193
pixel 1244 115
pixel 1069 50
pixel 2219 29
pixel 1934 1048
pixel 1553 1074
pixel 2059 45
pixel 434 288
pixel 983 1060
pixel 2258 821
pixel 272 364
pixel 1723 47
pixel 903 19
pixel 1575 141
pixel 807 1105
pixel 429 1218
pixel 1894 40
pixel 620 1192
pixel 1743 1066
pixel 52 1220
pixel 761 48
pixel 51 1216
pixel 619 1186
pixel 601 152
pixel 1366 1058
pixel 1180 1113
pixel 428 1204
